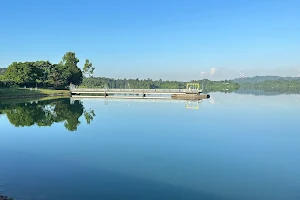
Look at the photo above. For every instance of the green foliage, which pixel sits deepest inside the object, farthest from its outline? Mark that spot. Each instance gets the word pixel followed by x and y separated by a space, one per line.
pixel 2 83
pixel 89 115
pixel 22 74
pixel 219 86
pixel 43 73
pixel 45 67
pixel 71 72
pixel 57 76
pixel 88 69
pixel 101 82
pixel 46 113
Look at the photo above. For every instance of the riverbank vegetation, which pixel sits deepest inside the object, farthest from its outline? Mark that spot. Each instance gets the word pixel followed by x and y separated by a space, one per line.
pixel 43 73
pixel 207 85
pixel 24 79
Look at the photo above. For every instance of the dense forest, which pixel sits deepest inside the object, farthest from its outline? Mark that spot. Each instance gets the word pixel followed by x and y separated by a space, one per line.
pixel 44 73
pixel 207 85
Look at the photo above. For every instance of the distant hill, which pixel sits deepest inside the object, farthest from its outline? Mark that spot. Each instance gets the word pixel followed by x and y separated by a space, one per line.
pixel 258 79
pixel 2 70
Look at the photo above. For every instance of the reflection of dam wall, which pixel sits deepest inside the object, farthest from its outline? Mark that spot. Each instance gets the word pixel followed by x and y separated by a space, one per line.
pixel 183 94
pixel 189 104
pixel 142 100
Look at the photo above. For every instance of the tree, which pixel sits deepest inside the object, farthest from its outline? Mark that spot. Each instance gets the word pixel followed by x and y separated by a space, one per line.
pixel 56 76
pixel 88 68
pixel 45 67
pixel 44 73
pixel 74 74
pixel 22 74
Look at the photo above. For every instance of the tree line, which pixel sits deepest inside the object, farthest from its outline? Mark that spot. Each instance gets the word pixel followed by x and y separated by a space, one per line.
pixel 206 85
pixel 45 74
pixel 60 76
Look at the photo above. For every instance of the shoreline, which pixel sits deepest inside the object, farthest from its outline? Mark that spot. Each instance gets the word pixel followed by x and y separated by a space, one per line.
pixel 34 96
pixel 18 93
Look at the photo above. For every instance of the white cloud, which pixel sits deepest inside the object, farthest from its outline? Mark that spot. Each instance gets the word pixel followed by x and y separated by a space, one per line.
pixel 213 71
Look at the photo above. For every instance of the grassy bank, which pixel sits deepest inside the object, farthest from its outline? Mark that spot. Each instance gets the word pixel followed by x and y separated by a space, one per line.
pixel 29 99
pixel 14 93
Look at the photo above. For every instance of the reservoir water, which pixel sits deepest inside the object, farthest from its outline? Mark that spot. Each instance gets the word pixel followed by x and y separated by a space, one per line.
pixel 228 147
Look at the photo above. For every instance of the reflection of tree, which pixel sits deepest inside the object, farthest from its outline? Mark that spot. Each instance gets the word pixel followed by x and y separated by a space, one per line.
pixel 69 113
pixel 89 115
pixel 45 113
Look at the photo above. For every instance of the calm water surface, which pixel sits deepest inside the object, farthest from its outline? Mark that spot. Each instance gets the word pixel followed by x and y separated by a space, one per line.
pixel 240 147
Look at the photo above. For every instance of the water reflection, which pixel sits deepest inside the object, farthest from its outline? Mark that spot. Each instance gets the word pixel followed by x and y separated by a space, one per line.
pixel 46 113
pixel 261 92
pixel 189 104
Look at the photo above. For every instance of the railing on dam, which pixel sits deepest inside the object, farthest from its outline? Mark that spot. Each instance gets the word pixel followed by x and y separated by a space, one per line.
pixel 167 91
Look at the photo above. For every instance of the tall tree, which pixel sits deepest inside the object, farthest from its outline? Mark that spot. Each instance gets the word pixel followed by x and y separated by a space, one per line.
pixel 88 68
pixel 57 76
pixel 70 62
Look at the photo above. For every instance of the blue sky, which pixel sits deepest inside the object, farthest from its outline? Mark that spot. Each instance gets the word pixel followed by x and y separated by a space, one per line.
pixel 168 39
